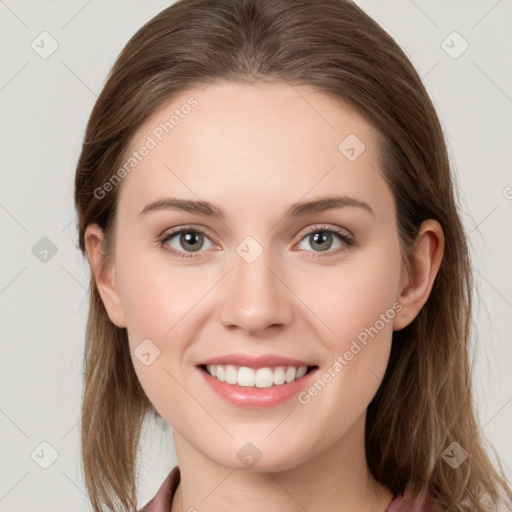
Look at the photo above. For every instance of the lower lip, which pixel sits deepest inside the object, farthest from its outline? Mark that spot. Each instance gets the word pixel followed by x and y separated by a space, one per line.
pixel 253 397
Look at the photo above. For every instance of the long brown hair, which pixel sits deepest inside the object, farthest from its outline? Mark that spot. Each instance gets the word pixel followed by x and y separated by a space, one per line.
pixel 425 402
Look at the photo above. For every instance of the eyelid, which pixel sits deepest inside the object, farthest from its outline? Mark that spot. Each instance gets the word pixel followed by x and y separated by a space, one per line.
pixel 186 227
pixel 326 227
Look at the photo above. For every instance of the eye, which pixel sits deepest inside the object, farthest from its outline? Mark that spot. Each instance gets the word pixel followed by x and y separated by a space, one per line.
pixel 321 239
pixel 185 240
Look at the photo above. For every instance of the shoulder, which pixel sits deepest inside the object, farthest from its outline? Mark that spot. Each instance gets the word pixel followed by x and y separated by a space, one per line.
pixel 163 498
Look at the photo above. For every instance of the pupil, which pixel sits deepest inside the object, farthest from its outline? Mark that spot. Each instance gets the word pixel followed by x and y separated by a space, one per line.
pixel 323 237
pixel 191 238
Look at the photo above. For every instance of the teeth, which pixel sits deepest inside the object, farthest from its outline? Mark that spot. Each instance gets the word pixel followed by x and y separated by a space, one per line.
pixel 231 374
pixel 250 377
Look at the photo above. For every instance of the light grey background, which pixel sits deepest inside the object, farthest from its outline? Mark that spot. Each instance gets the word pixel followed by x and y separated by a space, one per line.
pixel 45 104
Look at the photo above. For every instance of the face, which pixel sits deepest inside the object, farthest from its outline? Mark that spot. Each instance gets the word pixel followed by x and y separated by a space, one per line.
pixel 315 286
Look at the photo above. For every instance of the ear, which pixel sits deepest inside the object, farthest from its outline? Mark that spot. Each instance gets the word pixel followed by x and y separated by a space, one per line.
pixel 104 274
pixel 417 281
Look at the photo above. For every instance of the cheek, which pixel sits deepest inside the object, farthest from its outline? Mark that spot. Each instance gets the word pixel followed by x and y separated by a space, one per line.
pixel 161 302
pixel 355 295
pixel 156 293
pixel 358 302
pixel 358 305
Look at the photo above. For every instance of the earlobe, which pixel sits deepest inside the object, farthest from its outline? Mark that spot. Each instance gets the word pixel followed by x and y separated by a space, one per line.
pixel 104 275
pixel 424 263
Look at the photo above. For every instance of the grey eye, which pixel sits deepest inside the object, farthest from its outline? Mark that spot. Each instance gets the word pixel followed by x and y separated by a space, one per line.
pixel 188 241
pixel 321 240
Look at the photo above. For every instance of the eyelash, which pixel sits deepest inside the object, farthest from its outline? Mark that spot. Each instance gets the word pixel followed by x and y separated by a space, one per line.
pixel 346 239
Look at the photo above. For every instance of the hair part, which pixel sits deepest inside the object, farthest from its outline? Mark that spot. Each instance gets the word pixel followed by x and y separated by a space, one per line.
pixel 425 400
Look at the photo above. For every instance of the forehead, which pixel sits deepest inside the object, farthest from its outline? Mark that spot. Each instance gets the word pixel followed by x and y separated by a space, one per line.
pixel 272 142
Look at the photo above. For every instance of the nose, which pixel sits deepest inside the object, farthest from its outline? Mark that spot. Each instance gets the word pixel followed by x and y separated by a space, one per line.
pixel 254 297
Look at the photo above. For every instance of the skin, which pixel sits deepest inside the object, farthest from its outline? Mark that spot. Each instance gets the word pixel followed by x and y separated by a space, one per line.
pixel 253 150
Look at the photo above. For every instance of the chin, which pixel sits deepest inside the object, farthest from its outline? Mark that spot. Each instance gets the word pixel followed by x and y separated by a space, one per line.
pixel 250 459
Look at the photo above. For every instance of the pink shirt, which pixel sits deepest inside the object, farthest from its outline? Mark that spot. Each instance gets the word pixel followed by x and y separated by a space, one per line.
pixel 163 498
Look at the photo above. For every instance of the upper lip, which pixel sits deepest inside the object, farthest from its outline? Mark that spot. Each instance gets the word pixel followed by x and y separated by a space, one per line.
pixel 263 361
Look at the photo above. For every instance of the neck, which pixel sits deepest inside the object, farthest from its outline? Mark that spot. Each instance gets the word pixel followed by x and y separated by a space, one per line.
pixel 336 478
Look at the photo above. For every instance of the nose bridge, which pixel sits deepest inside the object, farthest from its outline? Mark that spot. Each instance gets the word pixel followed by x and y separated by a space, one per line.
pixel 253 297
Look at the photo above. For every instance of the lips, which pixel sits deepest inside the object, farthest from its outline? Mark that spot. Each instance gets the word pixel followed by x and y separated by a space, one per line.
pixel 262 393
pixel 263 361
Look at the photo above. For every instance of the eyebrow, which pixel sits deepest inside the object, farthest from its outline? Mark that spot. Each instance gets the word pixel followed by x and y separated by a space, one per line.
pixel 299 209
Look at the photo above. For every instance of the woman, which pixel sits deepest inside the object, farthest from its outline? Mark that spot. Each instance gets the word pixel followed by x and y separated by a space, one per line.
pixel 278 270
